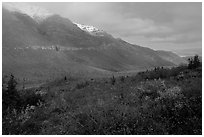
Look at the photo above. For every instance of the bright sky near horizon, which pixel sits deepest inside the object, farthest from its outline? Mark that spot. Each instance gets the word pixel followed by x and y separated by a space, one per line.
pixel 166 26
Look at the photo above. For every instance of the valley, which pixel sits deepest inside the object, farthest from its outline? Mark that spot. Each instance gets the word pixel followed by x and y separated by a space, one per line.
pixel 60 77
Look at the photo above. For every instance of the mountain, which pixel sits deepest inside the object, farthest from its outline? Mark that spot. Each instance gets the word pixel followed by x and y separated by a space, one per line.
pixel 38 45
pixel 172 57
pixel 189 52
pixel 91 30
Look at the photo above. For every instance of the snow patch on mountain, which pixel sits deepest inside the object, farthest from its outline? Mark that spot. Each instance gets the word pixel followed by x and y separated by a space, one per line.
pixel 90 29
pixel 37 13
pixel 87 28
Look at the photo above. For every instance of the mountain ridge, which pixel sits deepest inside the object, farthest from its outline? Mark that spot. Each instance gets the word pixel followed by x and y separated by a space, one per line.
pixel 37 13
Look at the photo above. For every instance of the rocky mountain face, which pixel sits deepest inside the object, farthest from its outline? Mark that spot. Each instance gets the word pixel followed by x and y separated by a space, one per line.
pixel 38 45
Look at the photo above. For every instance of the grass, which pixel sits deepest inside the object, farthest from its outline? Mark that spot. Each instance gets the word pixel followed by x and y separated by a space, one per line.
pixel 140 105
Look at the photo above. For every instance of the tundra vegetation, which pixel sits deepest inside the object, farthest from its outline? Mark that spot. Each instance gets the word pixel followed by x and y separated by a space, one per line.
pixel 158 101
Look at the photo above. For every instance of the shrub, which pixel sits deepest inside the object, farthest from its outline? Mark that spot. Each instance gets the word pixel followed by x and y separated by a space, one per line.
pixel 31 98
pixel 194 62
pixel 10 96
pixel 19 110
pixel 82 85
pixel 113 80
pixel 178 113
pixel 122 78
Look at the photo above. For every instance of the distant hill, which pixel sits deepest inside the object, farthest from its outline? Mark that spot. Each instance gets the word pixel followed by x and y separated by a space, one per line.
pixel 189 52
pixel 172 57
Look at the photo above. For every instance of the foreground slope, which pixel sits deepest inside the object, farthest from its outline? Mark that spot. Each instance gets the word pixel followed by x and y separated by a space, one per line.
pixel 131 105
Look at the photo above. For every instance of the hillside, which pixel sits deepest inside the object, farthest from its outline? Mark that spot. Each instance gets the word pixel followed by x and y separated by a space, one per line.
pixel 50 46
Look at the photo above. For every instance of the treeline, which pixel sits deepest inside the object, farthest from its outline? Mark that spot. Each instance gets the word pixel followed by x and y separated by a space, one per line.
pixel 166 73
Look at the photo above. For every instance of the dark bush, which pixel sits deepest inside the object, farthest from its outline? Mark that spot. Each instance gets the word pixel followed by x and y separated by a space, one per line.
pixel 122 78
pixel 82 85
pixel 10 96
pixel 113 80
pixel 194 62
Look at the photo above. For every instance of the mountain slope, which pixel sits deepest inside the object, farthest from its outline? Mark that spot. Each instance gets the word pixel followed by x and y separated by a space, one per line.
pixel 172 57
pixel 55 46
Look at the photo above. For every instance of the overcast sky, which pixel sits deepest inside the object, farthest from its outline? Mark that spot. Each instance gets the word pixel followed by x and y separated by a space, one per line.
pixel 166 26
